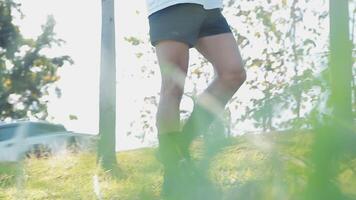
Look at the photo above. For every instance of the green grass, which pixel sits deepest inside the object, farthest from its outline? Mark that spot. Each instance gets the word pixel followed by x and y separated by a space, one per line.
pixel 270 166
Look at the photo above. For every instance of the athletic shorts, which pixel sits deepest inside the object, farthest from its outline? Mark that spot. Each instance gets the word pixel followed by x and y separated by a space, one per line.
pixel 186 23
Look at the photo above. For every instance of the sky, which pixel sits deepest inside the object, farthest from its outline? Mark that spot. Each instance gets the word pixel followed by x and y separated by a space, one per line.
pixel 78 22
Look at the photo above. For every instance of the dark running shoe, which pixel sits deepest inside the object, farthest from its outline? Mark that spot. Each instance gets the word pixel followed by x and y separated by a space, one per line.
pixel 186 183
pixel 179 183
pixel 179 171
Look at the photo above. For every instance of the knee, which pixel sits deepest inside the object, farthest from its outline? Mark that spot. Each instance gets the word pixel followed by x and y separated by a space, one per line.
pixel 234 75
pixel 172 89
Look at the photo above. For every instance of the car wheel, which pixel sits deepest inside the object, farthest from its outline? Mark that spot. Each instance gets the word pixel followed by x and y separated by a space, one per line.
pixel 73 145
pixel 39 151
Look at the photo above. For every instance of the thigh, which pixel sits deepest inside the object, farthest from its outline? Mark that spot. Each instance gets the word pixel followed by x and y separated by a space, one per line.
pixel 222 51
pixel 173 59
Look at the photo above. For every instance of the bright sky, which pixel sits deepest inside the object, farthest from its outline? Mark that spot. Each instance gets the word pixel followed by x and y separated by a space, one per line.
pixel 78 23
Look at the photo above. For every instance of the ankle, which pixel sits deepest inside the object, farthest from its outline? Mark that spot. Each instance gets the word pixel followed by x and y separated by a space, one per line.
pixel 172 144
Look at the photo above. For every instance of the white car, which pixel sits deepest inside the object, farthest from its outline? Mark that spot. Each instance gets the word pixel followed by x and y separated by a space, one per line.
pixel 20 139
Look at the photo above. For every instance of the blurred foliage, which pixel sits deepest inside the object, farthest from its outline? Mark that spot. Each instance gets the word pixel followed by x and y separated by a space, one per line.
pixel 27 75
pixel 335 136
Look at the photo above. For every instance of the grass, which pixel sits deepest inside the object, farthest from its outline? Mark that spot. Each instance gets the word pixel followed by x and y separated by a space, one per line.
pixel 269 166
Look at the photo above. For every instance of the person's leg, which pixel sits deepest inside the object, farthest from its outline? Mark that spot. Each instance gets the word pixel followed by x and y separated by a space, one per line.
pixel 223 53
pixel 173 31
pixel 173 58
pixel 173 61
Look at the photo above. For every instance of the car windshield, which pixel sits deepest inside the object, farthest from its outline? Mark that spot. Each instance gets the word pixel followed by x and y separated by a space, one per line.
pixel 40 129
pixel 32 129
pixel 6 134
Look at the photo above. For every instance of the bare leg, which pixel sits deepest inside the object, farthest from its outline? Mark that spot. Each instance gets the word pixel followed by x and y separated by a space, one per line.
pixel 222 51
pixel 173 58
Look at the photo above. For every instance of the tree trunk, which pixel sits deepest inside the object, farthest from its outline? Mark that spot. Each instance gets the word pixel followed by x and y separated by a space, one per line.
pixel 298 94
pixel 334 138
pixel 107 120
pixel 353 74
pixel 340 61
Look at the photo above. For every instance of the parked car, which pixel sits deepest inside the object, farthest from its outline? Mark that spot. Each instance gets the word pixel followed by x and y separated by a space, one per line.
pixel 26 138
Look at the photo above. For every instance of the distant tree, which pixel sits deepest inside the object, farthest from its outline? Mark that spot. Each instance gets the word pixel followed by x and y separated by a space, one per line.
pixel 284 67
pixel 27 75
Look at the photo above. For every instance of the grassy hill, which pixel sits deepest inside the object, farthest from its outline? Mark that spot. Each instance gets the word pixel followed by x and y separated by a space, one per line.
pixel 269 166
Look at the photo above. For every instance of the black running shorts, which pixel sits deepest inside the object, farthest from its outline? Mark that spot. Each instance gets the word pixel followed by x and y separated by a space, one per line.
pixel 186 23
